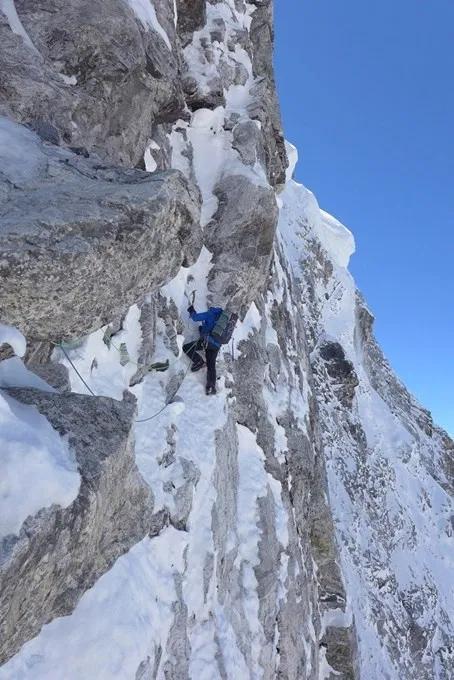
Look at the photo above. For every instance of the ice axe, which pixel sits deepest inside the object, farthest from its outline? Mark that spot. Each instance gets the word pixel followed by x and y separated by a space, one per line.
pixel 188 297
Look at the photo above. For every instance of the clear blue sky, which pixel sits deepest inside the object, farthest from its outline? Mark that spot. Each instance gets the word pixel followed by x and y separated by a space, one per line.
pixel 367 96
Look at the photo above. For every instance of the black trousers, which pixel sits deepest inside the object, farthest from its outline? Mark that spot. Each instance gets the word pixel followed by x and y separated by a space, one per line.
pixel 192 349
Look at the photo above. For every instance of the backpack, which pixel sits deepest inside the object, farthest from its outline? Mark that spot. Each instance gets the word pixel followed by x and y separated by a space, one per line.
pixel 224 327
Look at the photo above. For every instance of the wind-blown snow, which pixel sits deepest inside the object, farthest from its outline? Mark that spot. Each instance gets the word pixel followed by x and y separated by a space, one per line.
pixel 38 469
pixel 337 239
pixel 292 155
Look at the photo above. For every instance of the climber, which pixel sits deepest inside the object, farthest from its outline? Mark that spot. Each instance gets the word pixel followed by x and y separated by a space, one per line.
pixel 206 342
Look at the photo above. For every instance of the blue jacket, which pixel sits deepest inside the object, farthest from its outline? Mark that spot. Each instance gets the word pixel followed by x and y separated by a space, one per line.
pixel 209 319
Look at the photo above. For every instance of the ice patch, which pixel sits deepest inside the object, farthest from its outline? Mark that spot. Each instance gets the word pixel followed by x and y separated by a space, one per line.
pixel 150 163
pixel 13 373
pixel 17 143
pixel 69 80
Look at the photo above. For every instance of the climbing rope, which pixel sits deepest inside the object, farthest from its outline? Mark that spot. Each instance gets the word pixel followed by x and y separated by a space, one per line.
pixel 140 420
pixel 60 345
pixel 66 355
pixel 169 401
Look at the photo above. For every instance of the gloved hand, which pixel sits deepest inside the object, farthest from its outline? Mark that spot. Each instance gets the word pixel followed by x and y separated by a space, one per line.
pixel 191 309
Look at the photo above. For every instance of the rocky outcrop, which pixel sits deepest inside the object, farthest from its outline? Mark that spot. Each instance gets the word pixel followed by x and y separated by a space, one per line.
pixel 388 472
pixel 191 15
pixel 60 553
pixel 265 104
pixel 340 372
pixel 91 73
pixel 240 237
pixel 80 241
pixel 55 375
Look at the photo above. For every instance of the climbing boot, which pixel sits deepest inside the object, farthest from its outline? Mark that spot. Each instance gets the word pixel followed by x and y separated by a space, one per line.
pixel 197 366
pixel 210 390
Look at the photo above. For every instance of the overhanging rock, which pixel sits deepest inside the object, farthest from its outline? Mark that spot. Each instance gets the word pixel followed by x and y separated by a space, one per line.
pixel 80 241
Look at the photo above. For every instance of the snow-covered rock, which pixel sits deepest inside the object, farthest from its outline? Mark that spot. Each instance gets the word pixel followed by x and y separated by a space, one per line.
pixel 82 241
pixel 38 469
pixel 297 524
pixel 72 501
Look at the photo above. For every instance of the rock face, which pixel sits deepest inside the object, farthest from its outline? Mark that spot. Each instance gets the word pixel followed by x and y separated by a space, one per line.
pixel 191 17
pixel 94 72
pixel 60 553
pixel 81 241
pixel 240 237
pixel 265 105
pixel 297 524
